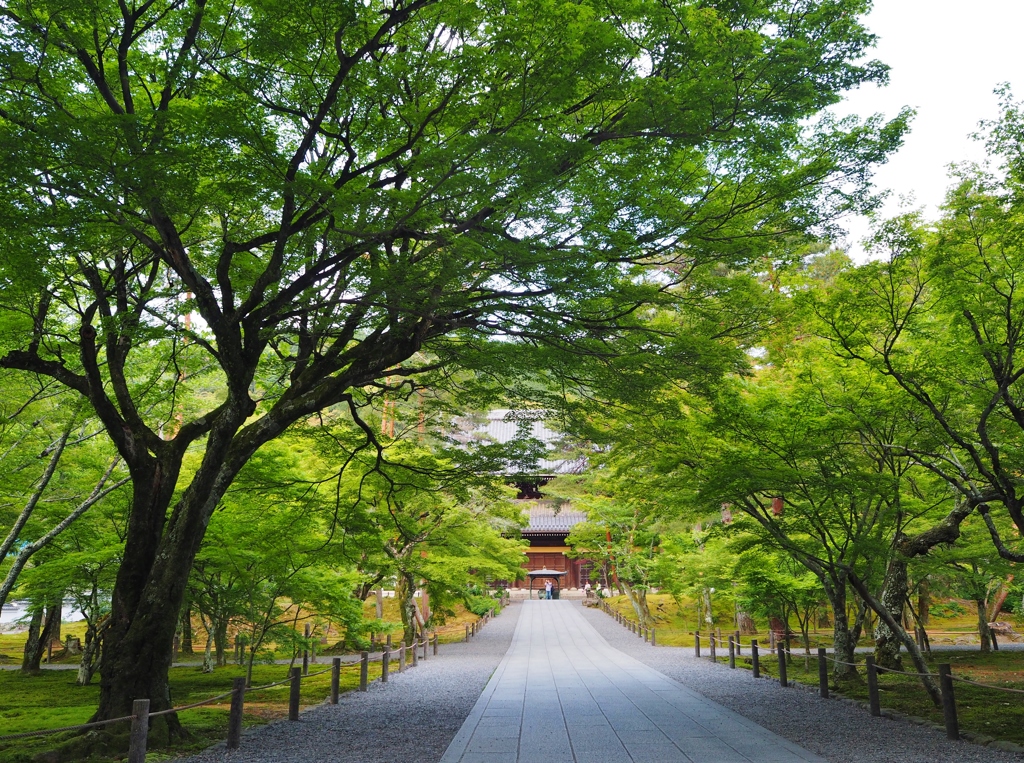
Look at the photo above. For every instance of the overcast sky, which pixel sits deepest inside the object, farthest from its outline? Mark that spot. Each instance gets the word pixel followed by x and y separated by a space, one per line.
pixel 946 58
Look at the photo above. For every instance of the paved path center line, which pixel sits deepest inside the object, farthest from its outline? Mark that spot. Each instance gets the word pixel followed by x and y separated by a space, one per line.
pixel 563 695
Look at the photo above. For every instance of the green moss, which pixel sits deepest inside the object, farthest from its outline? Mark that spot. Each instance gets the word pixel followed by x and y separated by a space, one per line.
pixel 979 710
pixel 53 699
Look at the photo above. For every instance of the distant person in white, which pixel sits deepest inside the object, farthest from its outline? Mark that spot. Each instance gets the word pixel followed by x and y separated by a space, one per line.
pixel 547 589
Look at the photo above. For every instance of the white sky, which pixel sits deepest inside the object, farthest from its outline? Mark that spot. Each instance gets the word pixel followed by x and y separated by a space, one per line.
pixel 946 58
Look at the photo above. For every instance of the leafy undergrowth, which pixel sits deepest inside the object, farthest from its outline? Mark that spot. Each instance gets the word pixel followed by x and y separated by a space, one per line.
pixel 453 629
pixel 52 699
pixel 979 710
pixel 12 644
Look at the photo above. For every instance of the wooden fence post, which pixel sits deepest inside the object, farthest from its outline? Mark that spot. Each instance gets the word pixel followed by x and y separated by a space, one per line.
pixel 235 715
pixel 435 645
pixel 822 673
pixel 948 702
pixel 653 637
pixel 739 650
pixel 293 695
pixel 755 658
pixel 140 731
pixel 732 652
pixel 364 670
pixel 696 643
pixel 869 663
pixel 415 654
pixel 385 665
pixel 335 679
pixel 401 656
pixel 467 634
pixel 714 646
pixel 783 680
pixel 426 640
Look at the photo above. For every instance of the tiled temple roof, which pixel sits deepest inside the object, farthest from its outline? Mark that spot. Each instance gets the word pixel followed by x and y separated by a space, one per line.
pixel 548 520
pixel 503 425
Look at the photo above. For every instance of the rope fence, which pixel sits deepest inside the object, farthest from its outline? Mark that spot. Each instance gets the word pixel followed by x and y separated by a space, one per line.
pixel 779 647
pixel 406 655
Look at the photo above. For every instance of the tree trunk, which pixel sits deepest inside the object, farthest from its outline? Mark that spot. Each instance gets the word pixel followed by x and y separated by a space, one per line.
pixel 894 594
pixel 38 639
pixel 51 625
pixel 186 628
pixel 996 606
pixel 90 655
pixel 983 630
pixel 33 653
pixel 220 638
pixel 843 646
pixel 915 653
pixel 248 667
pixel 924 601
pixel 638 599
pixel 404 590
pixel 149 592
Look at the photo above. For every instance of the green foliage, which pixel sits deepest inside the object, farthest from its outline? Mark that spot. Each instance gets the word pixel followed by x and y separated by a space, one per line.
pixel 949 608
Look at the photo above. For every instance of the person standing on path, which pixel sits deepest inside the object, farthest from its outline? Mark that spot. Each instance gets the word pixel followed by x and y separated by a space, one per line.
pixel 547 589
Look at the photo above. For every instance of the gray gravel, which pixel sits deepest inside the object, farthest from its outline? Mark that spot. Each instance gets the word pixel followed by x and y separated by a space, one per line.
pixel 410 719
pixel 831 728
pixel 416 715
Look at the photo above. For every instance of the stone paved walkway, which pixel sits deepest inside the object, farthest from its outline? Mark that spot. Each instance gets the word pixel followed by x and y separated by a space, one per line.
pixel 563 695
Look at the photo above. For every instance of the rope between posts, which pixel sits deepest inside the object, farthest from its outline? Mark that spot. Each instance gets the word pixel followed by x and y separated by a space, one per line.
pixel 841 662
pixel 189 707
pixel 208 701
pixel 986 686
pixel 81 726
pixel 880 669
pixel 269 686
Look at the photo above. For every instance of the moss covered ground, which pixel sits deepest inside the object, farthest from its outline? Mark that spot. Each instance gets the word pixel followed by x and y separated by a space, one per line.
pixel 980 710
pixel 52 699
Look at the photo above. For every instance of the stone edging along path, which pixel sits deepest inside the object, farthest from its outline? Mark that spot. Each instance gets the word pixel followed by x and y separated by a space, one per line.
pixel 837 729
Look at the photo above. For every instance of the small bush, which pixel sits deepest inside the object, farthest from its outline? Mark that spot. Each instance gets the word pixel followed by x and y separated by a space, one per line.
pixel 950 608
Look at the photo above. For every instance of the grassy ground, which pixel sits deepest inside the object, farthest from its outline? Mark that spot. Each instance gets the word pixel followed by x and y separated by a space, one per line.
pixel 52 699
pixel 12 645
pixel 980 710
pixel 675 625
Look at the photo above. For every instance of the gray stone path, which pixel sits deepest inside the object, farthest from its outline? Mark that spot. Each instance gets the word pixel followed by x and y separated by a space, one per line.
pixel 563 695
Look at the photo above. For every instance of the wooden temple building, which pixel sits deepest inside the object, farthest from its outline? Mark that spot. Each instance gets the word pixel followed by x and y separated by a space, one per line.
pixel 548 523
pixel 547 529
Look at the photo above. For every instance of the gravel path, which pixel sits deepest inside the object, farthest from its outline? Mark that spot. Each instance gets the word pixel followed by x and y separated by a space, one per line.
pixel 833 729
pixel 414 717
pixel 410 719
